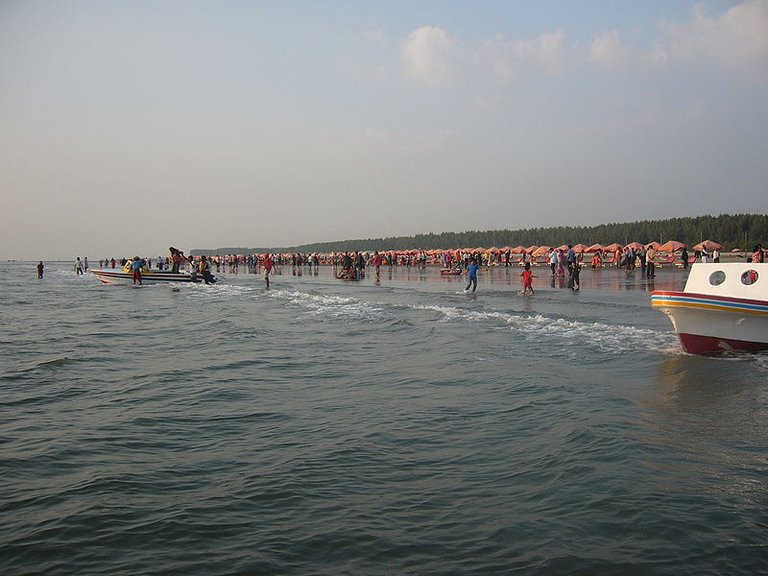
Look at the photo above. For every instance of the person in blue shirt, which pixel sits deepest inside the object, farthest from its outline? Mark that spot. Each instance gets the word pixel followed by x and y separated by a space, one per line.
pixel 136 269
pixel 472 275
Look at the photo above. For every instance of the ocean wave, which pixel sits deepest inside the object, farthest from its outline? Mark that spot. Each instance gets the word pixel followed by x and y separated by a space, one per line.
pixel 332 305
pixel 557 330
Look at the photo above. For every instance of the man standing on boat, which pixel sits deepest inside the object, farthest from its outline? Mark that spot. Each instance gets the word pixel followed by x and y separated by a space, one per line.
pixel 136 269
pixel 177 257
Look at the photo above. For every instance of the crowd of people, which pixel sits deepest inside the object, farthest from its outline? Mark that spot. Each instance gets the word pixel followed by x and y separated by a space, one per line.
pixel 563 261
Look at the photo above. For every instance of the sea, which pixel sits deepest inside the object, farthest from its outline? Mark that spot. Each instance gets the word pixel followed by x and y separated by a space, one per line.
pixel 329 427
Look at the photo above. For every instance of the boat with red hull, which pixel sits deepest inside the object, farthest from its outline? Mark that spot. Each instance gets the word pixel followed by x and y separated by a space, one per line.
pixel 723 308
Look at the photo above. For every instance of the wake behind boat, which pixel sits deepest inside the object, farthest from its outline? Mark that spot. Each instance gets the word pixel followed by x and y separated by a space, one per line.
pixel 723 308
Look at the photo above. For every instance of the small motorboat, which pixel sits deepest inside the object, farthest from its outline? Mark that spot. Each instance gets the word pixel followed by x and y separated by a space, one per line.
pixel 125 276
pixel 455 271
pixel 350 274
pixel 723 308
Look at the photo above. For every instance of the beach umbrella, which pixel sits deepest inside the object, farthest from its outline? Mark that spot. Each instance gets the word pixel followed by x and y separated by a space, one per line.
pixel 531 249
pixel 737 250
pixel 541 250
pixel 613 247
pixel 562 247
pixel 635 246
pixel 709 245
pixel 518 250
pixel 654 245
pixel 671 246
pixel 580 248
pixel 596 248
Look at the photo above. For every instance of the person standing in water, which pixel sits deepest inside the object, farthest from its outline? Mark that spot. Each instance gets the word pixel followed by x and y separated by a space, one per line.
pixel 574 279
pixel 472 275
pixel 528 277
pixel 377 259
pixel 267 268
pixel 40 269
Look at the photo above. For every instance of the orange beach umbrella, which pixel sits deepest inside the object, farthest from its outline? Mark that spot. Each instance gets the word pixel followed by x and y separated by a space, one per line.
pixel 671 246
pixel 709 245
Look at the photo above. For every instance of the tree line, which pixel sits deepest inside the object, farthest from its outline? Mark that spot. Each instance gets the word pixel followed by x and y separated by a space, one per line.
pixel 732 231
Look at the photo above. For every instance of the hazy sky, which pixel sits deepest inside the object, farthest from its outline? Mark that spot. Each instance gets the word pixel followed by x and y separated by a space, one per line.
pixel 130 126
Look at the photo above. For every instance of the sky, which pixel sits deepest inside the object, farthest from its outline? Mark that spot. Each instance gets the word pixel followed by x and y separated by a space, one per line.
pixel 130 126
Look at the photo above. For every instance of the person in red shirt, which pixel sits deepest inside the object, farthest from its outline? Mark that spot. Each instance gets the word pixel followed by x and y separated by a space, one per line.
pixel 377 259
pixel 757 254
pixel 527 279
pixel 267 268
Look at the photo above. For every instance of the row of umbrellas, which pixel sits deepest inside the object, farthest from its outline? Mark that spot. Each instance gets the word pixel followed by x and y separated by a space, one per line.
pixel 669 246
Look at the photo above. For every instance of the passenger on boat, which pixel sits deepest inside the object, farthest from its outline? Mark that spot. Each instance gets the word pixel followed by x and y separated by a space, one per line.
pixel 204 269
pixel 177 257
pixel 136 269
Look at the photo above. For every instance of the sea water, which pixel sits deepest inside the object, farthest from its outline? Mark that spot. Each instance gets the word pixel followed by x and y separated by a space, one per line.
pixel 327 427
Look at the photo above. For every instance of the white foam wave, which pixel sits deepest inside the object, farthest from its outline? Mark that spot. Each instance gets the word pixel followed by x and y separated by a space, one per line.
pixel 611 338
pixel 331 305
pixel 221 290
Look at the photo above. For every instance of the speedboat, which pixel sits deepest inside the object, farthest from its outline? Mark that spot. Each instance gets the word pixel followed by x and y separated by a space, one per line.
pixel 455 271
pixel 723 308
pixel 125 276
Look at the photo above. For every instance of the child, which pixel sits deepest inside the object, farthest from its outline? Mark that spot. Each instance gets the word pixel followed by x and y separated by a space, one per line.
pixel 527 279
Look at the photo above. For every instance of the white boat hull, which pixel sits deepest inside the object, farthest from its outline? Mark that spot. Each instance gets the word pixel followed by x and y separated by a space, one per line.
pixel 718 311
pixel 112 276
